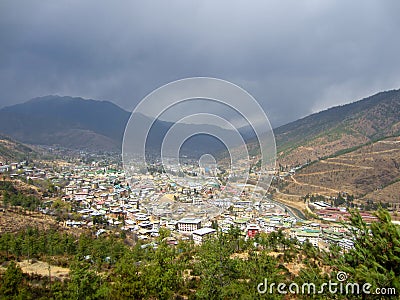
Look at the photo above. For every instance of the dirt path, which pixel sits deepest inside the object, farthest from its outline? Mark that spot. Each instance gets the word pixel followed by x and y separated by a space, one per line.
pixel 344 164
pixel 373 152
pixel 312 185
pixel 321 172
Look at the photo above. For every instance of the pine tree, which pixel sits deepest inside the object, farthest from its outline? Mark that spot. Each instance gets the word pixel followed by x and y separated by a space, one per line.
pixel 375 258
pixel 11 281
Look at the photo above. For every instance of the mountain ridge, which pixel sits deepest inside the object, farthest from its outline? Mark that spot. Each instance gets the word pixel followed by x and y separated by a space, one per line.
pixel 13 151
pixel 78 123
pixel 341 127
pixel 58 120
pixel 75 122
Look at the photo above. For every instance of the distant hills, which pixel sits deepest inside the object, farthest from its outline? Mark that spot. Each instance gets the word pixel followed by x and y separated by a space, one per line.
pixel 92 125
pixel 66 121
pixel 99 125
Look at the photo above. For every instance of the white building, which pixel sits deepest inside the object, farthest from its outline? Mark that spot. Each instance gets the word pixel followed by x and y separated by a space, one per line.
pixel 312 236
pixel 203 233
pixel 189 224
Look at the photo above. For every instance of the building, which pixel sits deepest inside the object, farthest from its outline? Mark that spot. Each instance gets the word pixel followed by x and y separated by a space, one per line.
pixel 189 224
pixel 346 244
pixel 80 196
pixel 4 169
pixel 201 234
pixel 252 230
pixel 303 235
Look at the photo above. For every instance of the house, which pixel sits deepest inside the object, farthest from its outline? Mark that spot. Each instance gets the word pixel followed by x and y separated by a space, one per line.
pixel 80 196
pixel 201 234
pixel 69 191
pixel 346 244
pixel 4 169
pixel 303 235
pixel 189 224
pixel 252 230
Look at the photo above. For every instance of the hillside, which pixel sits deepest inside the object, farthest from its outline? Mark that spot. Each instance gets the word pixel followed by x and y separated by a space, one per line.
pixel 370 172
pixel 66 121
pixel 11 151
pixel 339 128
pixel 99 125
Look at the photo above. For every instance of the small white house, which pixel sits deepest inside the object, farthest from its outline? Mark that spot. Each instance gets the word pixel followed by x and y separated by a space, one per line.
pixel 201 234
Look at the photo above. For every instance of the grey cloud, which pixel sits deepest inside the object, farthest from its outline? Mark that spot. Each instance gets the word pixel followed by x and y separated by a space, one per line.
pixel 294 57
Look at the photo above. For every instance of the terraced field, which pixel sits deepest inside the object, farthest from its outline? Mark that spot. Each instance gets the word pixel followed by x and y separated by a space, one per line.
pixel 370 172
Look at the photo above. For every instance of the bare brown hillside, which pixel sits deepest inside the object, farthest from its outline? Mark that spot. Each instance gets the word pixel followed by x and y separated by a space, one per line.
pixel 342 127
pixel 11 151
pixel 370 172
pixel 15 221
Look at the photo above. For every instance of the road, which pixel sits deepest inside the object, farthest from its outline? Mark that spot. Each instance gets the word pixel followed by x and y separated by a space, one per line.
pixel 292 211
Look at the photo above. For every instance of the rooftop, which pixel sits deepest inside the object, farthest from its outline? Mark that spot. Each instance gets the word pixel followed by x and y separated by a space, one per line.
pixel 204 231
pixel 190 220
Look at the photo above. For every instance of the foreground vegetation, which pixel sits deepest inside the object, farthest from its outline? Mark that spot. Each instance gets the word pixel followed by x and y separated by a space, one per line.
pixel 226 267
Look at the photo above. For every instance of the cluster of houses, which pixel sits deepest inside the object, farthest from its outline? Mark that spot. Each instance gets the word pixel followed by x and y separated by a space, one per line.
pixel 337 214
pixel 103 196
pixel 21 169
pixel 323 235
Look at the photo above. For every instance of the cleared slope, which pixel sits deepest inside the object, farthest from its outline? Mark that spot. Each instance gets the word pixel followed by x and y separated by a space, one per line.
pixel 369 172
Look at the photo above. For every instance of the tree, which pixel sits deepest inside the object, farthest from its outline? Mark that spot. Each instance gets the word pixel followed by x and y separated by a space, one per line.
pixel 12 280
pixel 127 280
pixel 216 268
pixel 163 233
pixel 214 224
pixel 339 200
pixel 234 235
pixel 86 284
pixel 375 258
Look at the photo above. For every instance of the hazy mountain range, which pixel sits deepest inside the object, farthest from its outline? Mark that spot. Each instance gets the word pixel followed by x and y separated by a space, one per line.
pixel 99 125
pixel 66 121
pixel 93 125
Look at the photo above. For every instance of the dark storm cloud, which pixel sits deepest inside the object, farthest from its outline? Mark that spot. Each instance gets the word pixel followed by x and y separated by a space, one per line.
pixel 295 57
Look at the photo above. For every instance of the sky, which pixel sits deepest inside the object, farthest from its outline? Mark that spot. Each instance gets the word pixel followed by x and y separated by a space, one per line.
pixel 294 57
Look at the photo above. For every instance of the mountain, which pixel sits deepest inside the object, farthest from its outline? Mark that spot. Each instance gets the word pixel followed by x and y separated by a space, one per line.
pixel 338 128
pixel 93 125
pixel 66 121
pixel 99 125
pixel 194 139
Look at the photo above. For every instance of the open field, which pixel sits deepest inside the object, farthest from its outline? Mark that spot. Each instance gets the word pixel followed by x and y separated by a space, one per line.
pixel 43 269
